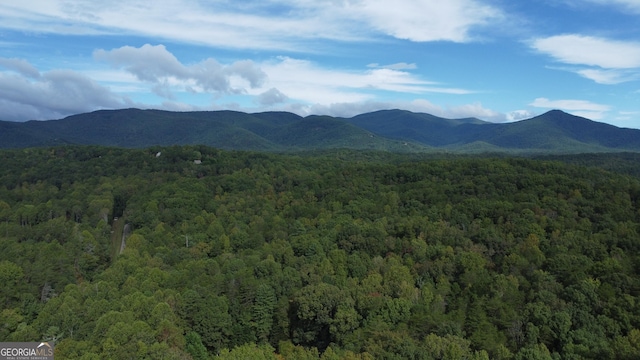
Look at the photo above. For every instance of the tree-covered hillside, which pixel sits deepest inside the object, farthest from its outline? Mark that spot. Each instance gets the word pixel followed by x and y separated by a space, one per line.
pixel 342 255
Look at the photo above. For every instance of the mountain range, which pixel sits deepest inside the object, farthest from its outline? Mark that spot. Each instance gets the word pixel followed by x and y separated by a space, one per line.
pixel 390 130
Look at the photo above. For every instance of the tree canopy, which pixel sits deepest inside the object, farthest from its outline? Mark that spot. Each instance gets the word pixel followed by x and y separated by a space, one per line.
pixel 334 255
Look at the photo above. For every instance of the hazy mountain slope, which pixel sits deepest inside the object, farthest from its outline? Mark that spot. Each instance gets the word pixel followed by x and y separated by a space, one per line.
pixel 559 131
pixel 424 128
pixel 589 131
pixel 552 131
pixel 278 117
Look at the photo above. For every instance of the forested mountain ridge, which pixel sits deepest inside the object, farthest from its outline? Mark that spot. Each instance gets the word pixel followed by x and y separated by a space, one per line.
pixel 134 128
pixel 390 130
pixel 552 131
pixel 342 255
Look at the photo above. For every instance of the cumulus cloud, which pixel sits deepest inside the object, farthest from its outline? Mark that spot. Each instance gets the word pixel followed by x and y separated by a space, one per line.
pixel 582 108
pixel 27 94
pixel 517 115
pixel 271 97
pixel 158 66
pixel 147 63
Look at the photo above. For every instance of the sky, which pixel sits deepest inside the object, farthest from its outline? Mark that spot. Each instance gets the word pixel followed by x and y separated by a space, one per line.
pixel 497 60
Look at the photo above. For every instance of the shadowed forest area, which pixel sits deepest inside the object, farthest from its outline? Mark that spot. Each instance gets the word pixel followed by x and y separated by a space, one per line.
pixel 327 255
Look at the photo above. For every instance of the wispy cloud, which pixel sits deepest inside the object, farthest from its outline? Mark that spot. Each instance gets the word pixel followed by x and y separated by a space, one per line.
pixel 349 109
pixel 274 24
pixel 21 66
pixel 396 66
pixel 582 108
pixel 309 82
pixel 609 76
pixel 602 60
pixel 569 104
pixel 450 20
pixel 588 50
pixel 627 5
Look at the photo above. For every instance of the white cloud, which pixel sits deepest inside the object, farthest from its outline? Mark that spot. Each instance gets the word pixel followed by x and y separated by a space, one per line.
pixel 156 65
pixel 31 95
pixel 475 110
pixel 517 115
pixel 396 66
pixel 276 24
pixel 592 115
pixel 33 103
pixel 21 66
pixel 592 51
pixel 424 20
pixel 147 63
pixel 625 118
pixel 582 108
pixel 305 81
pixel 271 97
pixel 284 82
pixel 626 115
pixel 608 77
pixel 350 109
pixel 627 5
pixel 342 109
pixel 604 61
pixel 569 105
pixel 179 106
pixel 120 82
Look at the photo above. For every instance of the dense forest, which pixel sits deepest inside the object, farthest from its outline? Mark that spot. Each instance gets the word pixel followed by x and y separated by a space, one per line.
pixel 196 253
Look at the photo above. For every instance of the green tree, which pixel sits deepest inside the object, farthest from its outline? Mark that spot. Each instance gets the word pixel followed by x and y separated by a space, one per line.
pixel 208 316
pixel 263 311
pixel 194 346
pixel 248 352
pixel 314 307
pixel 11 278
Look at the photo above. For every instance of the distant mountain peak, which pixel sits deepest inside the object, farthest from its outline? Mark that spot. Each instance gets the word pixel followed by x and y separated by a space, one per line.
pixel 557 112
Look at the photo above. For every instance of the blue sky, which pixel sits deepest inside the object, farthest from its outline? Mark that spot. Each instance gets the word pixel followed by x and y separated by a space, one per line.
pixel 498 60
